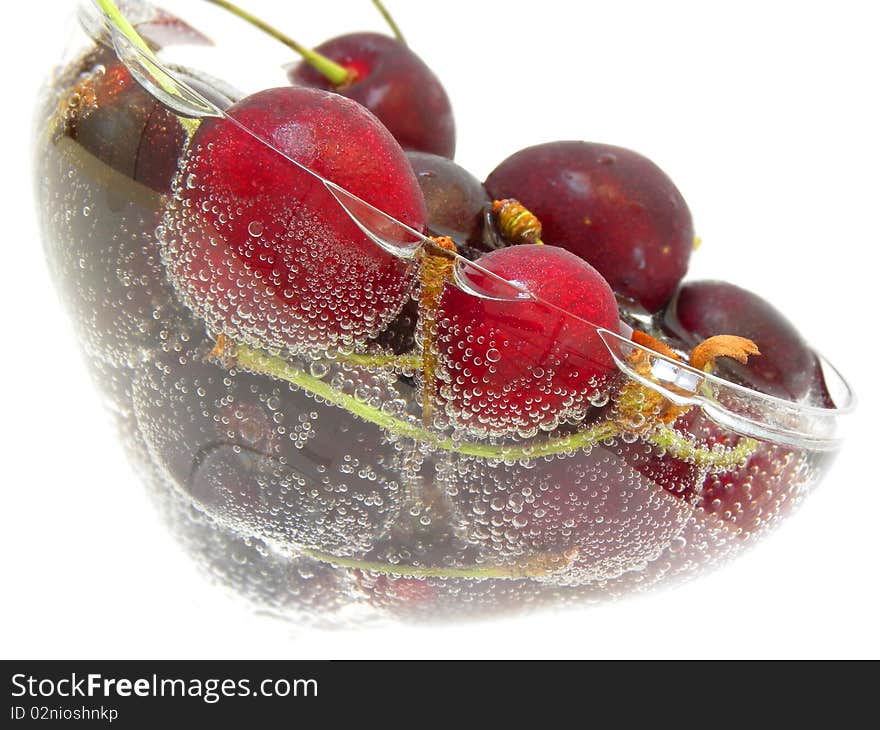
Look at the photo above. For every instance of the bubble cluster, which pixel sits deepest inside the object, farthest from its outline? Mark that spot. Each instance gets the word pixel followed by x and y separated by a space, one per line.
pixel 267 459
pixel 602 511
pixel 771 484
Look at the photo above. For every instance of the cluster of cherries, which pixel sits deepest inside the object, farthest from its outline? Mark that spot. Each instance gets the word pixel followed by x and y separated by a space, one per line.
pixel 260 251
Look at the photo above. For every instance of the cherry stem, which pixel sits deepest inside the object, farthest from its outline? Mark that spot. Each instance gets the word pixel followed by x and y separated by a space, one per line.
pixel 277 367
pixel 716 459
pixel 395 362
pixel 539 567
pixel 167 83
pixel 390 20
pixel 116 16
pixel 435 270
pixel 334 73
pixel 516 222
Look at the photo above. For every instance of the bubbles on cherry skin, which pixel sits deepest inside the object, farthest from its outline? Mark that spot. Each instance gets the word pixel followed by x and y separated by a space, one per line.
pixel 261 251
pixel 520 367
pixel 266 459
pixel 755 497
pixel 592 510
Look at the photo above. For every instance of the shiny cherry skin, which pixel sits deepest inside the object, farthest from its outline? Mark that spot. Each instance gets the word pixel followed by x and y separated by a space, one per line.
pixel 518 366
pixel 455 199
pixel 261 250
pixel 786 368
pixel 393 83
pixel 611 206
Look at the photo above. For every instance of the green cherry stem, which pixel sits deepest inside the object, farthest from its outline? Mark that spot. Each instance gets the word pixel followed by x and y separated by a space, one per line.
pixel 395 29
pixel 530 569
pixel 334 73
pixel 130 32
pixel 121 22
pixel 394 362
pixel 715 459
pixel 276 367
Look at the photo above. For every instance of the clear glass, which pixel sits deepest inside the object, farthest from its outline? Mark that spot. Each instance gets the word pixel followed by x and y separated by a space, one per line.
pixel 342 483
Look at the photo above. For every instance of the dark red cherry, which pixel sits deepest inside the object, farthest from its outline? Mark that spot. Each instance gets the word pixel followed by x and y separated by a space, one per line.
pixel 272 580
pixel 607 510
pixel 106 154
pixel 455 199
pixel 110 115
pixel 511 366
pixel 610 206
pixel 392 82
pixel 265 458
pixel 262 251
pixel 754 497
pixel 786 368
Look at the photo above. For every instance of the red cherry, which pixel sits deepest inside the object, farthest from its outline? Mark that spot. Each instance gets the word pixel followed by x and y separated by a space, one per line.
pixel 786 368
pixel 755 497
pixel 107 155
pixel 521 365
pixel 260 249
pixel 393 83
pixel 607 510
pixel 381 73
pixel 455 199
pixel 609 205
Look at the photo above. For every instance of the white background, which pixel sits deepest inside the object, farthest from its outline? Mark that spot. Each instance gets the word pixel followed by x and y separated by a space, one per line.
pixel 765 115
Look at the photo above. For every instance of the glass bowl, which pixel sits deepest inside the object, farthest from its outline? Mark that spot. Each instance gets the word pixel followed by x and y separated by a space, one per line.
pixel 379 475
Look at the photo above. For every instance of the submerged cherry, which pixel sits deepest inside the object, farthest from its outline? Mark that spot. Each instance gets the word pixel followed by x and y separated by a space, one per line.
pixel 108 154
pixel 263 457
pixel 754 497
pixel 597 513
pixel 516 366
pixel 262 251
pixel 610 206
